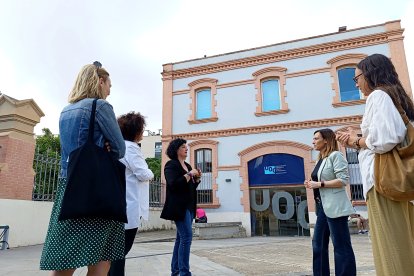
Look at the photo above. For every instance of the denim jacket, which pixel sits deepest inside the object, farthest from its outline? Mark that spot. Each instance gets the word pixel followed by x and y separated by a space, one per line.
pixel 74 125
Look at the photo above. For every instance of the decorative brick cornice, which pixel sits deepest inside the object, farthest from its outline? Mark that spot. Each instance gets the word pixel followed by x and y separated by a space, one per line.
pixel 338 121
pixel 205 80
pixel 269 69
pixel 317 49
pixel 199 142
pixel 281 143
pixel 346 57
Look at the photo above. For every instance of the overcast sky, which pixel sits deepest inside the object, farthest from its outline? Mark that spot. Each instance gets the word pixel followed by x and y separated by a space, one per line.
pixel 44 43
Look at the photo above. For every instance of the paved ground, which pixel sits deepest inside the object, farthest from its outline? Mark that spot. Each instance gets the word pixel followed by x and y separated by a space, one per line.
pixel 151 255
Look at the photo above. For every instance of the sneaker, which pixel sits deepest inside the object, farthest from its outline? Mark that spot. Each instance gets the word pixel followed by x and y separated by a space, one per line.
pixel 365 231
pixel 360 232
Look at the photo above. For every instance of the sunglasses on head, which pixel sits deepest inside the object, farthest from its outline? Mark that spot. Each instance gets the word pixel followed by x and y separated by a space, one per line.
pixel 97 65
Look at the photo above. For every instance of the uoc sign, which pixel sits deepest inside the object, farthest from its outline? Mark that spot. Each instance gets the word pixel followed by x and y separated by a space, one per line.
pixel 290 205
pixel 279 169
pixel 276 169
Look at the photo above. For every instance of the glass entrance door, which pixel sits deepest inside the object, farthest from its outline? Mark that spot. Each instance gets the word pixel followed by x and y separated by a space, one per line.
pixel 279 211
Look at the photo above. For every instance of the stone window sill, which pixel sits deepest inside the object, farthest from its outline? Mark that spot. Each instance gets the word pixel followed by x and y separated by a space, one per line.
pixel 273 112
pixel 202 121
pixel 349 103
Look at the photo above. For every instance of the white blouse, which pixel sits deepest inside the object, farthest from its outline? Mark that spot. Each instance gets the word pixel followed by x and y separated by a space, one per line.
pixel 137 184
pixel 383 128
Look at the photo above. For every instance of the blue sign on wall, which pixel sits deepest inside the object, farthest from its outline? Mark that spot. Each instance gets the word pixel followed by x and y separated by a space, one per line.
pixel 276 169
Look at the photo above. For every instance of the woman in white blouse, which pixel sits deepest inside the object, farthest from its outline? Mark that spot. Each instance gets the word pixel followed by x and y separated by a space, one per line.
pixel 137 176
pixel 391 222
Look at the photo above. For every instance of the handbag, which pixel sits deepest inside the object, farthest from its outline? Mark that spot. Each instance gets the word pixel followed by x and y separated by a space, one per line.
pixel 95 186
pixel 394 170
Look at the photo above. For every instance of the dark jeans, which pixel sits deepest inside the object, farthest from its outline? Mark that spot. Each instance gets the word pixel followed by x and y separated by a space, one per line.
pixel 118 266
pixel 180 263
pixel 344 256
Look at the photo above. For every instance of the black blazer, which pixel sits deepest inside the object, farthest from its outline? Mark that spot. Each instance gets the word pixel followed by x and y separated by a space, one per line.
pixel 180 195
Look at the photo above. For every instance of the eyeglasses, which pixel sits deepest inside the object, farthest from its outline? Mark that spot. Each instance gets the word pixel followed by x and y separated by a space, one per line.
pixel 356 78
pixel 97 65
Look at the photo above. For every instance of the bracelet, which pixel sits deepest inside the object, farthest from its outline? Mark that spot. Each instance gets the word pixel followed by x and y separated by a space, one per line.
pixel 322 184
pixel 190 175
pixel 356 144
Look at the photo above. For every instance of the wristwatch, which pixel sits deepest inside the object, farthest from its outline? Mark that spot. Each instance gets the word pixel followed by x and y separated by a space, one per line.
pixel 322 184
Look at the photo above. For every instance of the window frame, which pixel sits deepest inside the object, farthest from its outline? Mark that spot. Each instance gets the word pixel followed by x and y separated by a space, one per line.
pixel 199 85
pixel 262 75
pixel 337 63
pixel 213 146
pixel 263 92
pixel 361 96
pixel 197 95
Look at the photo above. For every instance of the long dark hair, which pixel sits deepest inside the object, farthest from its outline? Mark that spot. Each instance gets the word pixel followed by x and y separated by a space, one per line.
pixel 380 73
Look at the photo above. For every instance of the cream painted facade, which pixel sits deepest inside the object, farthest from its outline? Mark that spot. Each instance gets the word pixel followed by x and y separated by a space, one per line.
pixel 150 145
pixel 239 130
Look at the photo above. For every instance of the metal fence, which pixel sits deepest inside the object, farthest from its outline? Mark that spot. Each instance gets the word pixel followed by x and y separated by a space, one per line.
pixel 204 189
pixel 355 178
pixel 47 167
pixel 156 193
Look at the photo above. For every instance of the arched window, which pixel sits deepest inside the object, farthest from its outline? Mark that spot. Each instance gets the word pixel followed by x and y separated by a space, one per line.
pixel 342 69
pixel 270 95
pixel 347 88
pixel 202 101
pixel 203 110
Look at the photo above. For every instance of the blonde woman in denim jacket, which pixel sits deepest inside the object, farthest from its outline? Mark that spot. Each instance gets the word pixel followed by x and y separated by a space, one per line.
pixel 333 207
pixel 91 242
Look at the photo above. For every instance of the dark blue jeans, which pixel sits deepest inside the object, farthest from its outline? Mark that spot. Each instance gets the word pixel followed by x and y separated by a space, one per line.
pixel 344 256
pixel 180 263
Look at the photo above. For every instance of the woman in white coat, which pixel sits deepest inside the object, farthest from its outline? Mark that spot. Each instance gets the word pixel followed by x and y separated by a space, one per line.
pixel 391 222
pixel 137 176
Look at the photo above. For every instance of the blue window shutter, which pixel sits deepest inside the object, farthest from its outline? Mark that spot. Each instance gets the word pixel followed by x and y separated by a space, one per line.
pixel 203 104
pixel 270 95
pixel 347 88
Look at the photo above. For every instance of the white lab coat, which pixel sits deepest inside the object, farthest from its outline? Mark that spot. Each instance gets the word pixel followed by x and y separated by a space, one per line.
pixel 137 184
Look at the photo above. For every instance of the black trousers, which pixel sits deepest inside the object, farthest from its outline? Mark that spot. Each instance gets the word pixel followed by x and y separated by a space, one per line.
pixel 118 266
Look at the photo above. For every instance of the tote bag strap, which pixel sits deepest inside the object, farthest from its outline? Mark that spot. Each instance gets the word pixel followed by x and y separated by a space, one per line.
pixel 92 122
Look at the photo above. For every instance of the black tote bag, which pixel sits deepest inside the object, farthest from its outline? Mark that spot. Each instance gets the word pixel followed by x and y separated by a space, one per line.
pixel 95 186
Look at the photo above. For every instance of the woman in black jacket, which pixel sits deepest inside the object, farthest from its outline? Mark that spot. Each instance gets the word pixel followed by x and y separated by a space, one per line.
pixel 180 203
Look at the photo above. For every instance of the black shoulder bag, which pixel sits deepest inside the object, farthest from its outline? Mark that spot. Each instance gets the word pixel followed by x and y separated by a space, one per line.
pixel 95 186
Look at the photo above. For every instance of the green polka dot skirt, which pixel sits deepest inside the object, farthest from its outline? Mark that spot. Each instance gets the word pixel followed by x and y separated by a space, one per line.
pixel 76 243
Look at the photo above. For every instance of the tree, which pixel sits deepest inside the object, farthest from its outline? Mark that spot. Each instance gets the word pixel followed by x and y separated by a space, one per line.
pixel 48 143
pixel 154 165
pixel 46 165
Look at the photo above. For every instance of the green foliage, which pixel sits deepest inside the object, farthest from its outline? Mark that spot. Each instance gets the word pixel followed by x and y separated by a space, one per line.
pixel 154 165
pixel 48 143
pixel 46 165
